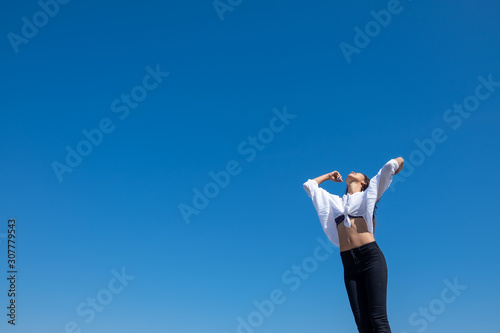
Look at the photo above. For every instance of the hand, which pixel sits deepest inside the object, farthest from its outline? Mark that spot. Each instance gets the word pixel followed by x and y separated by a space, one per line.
pixel 401 161
pixel 335 176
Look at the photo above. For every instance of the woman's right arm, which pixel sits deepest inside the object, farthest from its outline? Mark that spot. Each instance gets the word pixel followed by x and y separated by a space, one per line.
pixel 323 200
pixel 334 176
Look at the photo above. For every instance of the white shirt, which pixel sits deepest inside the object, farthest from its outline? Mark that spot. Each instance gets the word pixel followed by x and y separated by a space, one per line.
pixel 330 206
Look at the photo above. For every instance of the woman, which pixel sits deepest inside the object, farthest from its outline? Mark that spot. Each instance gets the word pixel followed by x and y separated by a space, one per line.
pixel 349 224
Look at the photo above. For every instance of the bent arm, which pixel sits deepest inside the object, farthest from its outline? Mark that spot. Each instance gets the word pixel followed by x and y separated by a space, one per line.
pixel 334 176
pixel 324 202
pixel 401 161
pixel 321 179
pixel 380 183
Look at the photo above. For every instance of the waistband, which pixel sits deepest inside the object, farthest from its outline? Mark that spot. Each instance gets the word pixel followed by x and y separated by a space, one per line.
pixel 360 249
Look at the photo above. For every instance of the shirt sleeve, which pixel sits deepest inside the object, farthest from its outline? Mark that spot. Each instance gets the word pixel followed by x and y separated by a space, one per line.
pixel 380 183
pixel 323 201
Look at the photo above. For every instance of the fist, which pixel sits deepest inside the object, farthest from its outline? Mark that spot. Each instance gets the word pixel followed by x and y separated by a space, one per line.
pixel 335 176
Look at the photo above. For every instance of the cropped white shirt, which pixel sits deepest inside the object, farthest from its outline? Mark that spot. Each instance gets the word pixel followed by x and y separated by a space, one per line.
pixel 330 206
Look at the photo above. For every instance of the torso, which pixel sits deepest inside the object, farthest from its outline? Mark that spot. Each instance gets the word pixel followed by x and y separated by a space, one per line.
pixel 354 236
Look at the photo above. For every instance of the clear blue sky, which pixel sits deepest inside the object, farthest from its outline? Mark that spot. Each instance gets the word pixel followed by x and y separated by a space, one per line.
pixel 156 138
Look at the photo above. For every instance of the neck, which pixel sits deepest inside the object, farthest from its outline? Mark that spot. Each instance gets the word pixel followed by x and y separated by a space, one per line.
pixel 354 187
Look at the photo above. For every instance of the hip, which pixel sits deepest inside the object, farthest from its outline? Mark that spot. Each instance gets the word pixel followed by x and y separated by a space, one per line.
pixel 367 256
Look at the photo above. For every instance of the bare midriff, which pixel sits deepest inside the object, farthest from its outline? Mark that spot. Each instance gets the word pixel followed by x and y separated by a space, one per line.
pixel 354 236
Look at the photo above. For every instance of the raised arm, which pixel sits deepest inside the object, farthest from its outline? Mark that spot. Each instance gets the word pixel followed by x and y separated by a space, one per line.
pixel 401 161
pixel 333 176
pixel 380 183
pixel 324 202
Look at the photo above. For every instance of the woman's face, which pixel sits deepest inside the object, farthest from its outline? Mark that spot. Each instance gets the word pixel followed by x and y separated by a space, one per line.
pixel 355 176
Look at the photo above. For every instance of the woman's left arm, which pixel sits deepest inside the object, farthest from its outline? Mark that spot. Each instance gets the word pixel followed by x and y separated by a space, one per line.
pixel 401 161
pixel 380 183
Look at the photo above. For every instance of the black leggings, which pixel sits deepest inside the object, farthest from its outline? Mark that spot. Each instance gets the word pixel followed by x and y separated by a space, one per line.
pixel 365 277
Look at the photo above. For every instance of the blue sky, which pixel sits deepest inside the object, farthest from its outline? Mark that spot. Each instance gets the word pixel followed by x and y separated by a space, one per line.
pixel 261 94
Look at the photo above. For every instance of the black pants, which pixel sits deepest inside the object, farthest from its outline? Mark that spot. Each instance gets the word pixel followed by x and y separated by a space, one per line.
pixel 365 277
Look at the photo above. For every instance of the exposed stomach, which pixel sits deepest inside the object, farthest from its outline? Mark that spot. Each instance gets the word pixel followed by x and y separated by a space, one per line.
pixel 354 236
